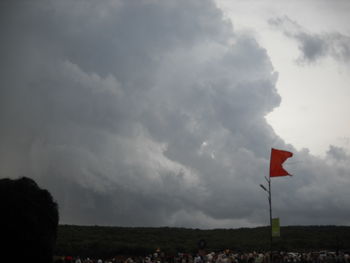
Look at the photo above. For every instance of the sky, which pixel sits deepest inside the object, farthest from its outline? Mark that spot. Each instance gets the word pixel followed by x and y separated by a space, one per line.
pixel 163 113
pixel 308 44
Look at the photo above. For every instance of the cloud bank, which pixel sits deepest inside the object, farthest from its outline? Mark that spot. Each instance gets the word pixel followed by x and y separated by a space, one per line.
pixel 151 113
pixel 313 46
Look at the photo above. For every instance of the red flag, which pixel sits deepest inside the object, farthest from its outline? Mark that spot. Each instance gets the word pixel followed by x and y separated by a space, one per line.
pixel 277 159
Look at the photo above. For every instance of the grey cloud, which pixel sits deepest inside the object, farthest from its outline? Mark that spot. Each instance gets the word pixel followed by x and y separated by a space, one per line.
pixel 148 113
pixel 337 153
pixel 315 46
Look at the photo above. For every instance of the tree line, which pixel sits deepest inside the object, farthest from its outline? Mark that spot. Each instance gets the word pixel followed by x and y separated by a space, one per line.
pixel 95 241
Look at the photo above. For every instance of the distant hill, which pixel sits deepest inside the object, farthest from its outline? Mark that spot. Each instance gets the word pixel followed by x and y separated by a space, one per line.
pixel 111 241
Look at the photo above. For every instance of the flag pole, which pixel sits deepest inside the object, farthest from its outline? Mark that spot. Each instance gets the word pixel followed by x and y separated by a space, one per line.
pixel 270 218
pixel 268 191
pixel 276 169
pixel 270 210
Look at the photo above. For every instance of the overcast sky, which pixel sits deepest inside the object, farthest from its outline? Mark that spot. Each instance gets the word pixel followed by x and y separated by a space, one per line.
pixel 308 43
pixel 163 112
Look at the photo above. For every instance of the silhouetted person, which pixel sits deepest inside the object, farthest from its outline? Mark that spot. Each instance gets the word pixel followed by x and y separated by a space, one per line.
pixel 28 222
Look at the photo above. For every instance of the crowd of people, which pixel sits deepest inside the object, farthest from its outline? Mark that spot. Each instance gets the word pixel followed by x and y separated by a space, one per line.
pixel 224 257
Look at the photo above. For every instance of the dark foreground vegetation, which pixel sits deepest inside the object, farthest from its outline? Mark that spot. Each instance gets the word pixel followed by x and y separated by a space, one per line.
pixel 110 241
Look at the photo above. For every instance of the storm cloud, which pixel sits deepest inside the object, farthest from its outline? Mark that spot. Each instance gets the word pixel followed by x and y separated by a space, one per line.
pixel 314 46
pixel 151 113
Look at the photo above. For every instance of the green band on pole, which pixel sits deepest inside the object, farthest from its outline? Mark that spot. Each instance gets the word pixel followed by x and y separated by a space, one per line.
pixel 276 227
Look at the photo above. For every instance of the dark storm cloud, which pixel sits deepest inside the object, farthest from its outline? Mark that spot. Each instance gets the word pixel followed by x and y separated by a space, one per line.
pixel 148 113
pixel 315 46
